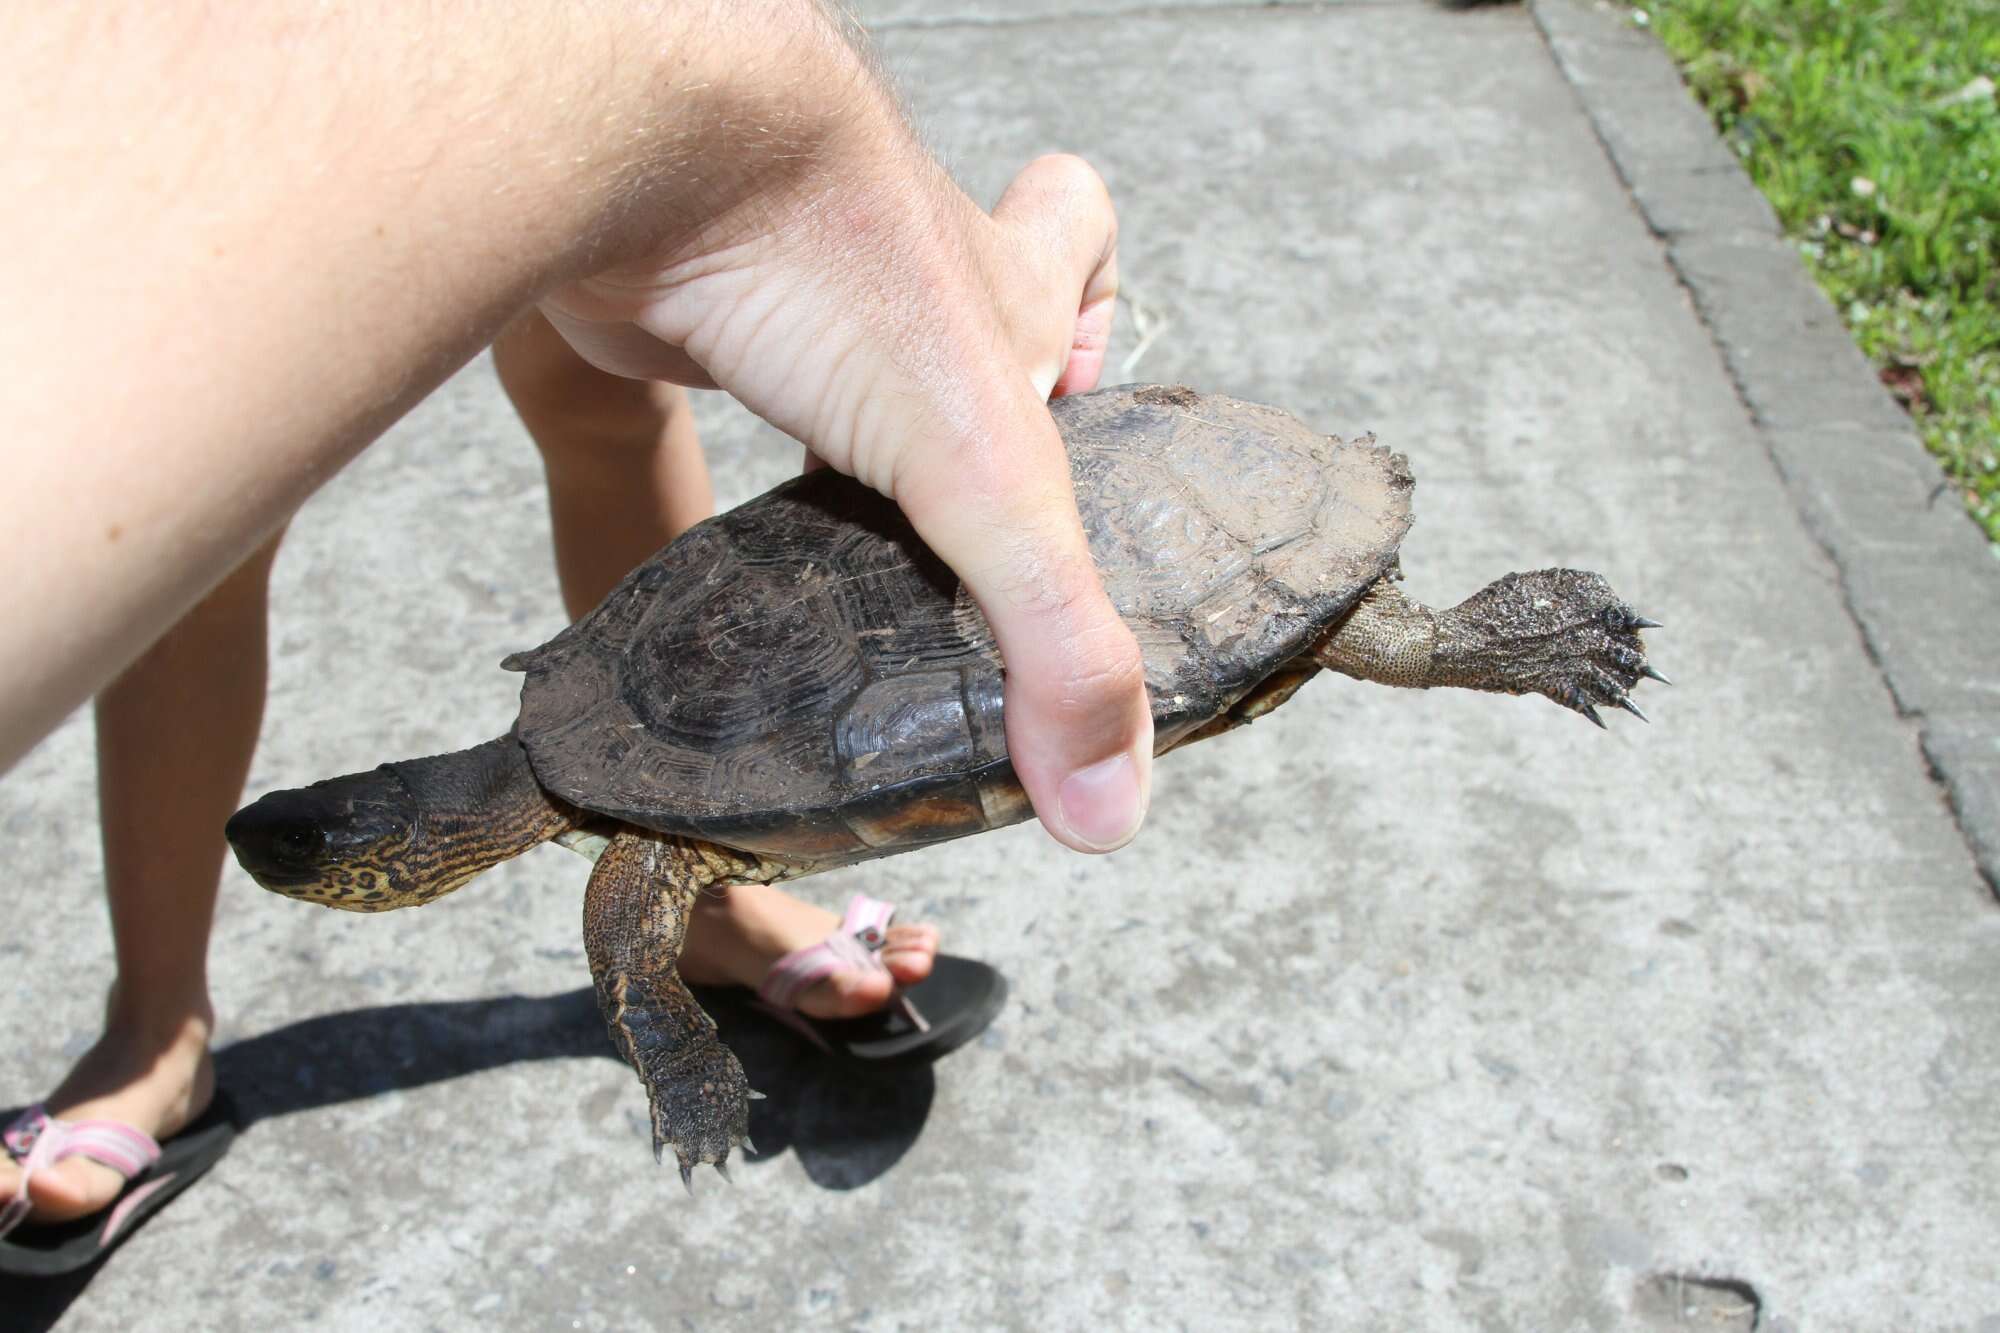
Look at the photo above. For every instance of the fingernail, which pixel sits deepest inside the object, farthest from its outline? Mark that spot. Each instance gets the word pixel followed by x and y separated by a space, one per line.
pixel 1102 804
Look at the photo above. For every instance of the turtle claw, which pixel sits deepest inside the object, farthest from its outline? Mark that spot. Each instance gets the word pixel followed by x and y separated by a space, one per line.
pixel 688 1164
pixel 1560 633
pixel 1633 709
pixel 1650 674
pixel 698 1099
pixel 1573 697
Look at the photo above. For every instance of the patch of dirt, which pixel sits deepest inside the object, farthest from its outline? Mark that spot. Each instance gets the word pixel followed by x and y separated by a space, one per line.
pixel 1906 383
pixel 1164 395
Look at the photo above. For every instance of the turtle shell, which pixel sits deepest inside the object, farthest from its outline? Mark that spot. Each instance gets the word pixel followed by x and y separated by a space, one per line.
pixel 802 677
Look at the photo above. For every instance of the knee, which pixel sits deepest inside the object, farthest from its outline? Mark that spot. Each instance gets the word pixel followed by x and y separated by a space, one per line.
pixel 564 400
pixel 539 371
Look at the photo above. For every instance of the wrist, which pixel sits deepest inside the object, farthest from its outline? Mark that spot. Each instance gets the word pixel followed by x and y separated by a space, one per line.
pixel 736 113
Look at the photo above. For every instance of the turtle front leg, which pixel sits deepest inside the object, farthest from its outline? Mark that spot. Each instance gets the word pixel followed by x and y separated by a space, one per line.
pixel 1562 633
pixel 635 915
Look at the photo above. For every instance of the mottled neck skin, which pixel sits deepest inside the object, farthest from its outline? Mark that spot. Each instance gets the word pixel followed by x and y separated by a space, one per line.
pixel 478 807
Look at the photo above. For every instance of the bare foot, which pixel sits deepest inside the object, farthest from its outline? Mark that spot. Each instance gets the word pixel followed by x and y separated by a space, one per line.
pixel 152 1074
pixel 736 936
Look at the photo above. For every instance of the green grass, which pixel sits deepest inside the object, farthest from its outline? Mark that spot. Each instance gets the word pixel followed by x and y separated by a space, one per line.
pixel 1866 125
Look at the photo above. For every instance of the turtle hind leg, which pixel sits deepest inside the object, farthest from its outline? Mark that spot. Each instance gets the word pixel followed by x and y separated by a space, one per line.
pixel 1561 633
pixel 635 916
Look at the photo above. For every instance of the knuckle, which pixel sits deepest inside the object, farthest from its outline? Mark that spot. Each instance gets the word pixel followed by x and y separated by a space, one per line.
pixel 1035 580
pixel 1099 669
pixel 1073 176
pixel 1106 676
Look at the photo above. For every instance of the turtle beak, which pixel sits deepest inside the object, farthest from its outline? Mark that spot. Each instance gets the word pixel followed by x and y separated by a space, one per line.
pixel 331 841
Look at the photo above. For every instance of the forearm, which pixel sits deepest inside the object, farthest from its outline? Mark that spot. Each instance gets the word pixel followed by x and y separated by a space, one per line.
pixel 238 244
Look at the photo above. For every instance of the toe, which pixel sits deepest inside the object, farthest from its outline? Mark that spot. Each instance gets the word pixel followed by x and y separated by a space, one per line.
pixel 847 994
pixel 72 1189
pixel 910 952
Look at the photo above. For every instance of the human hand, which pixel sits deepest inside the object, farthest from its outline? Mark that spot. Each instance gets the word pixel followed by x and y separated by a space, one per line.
pixel 873 312
pixel 714 193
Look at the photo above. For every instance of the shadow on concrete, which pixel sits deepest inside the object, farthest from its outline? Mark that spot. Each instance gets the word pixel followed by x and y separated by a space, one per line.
pixel 846 1128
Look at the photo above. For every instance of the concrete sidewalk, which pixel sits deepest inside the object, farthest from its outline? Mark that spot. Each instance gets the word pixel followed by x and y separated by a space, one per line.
pixel 1407 1011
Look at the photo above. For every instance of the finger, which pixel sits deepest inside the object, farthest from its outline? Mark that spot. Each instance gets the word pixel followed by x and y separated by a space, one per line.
pixel 1060 221
pixel 1087 347
pixel 995 503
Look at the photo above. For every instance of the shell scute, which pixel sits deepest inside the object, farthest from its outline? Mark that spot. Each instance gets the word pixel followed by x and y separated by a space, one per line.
pixel 916 719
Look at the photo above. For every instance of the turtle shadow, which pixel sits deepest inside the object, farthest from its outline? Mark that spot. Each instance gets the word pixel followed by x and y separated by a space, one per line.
pixel 846 1128
pixel 847 1125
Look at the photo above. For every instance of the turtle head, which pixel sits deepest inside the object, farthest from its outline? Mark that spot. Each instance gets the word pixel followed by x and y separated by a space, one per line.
pixel 399 835
pixel 348 842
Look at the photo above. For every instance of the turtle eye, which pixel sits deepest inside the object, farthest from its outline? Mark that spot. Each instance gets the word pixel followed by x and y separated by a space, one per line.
pixel 294 844
pixel 297 843
pixel 273 840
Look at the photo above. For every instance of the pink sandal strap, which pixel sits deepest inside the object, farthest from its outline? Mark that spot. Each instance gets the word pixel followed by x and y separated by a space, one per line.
pixel 862 932
pixel 37 1140
pixel 864 929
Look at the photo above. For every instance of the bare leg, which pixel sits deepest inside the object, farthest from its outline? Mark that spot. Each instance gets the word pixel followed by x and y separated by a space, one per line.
pixel 174 739
pixel 626 477
pixel 626 474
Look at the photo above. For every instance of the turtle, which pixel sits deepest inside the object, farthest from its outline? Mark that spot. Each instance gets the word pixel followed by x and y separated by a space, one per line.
pixel 800 683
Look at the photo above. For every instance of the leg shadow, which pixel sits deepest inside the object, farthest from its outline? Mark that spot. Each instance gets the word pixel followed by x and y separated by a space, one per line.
pixel 847 1127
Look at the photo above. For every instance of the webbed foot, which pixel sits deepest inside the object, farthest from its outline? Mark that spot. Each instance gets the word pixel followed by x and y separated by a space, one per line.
pixel 695 1089
pixel 1562 633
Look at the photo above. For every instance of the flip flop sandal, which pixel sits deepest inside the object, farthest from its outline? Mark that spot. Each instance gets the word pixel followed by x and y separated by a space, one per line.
pixel 154 1173
pixel 920 1023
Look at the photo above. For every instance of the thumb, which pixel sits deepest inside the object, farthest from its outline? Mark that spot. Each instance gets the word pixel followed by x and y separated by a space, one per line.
pixel 997 506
